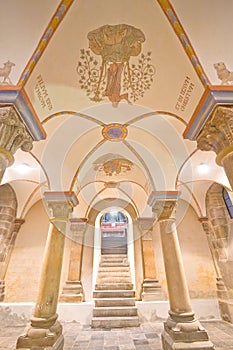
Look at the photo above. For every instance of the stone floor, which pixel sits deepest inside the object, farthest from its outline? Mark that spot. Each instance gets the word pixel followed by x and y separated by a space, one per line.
pixel 145 337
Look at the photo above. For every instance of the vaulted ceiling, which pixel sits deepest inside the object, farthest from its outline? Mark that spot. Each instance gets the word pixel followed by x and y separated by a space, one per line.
pixel 113 86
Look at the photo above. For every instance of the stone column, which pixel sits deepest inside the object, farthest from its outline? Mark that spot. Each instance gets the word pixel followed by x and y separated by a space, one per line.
pixel 6 254
pixel 181 330
pixel 217 136
pixel 73 290
pixel 13 135
pixel 151 288
pixel 222 293
pixel 44 331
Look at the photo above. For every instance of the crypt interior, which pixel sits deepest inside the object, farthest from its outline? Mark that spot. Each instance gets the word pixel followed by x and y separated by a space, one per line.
pixel 116 156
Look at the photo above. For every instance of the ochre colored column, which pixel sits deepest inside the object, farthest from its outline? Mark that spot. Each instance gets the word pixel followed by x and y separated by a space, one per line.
pixel 181 327
pixel 217 136
pixel 151 288
pixel 6 254
pixel 44 330
pixel 13 136
pixel 73 290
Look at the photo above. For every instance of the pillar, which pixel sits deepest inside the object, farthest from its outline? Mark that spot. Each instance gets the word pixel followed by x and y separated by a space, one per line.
pixel 151 288
pixel 13 135
pixel 222 293
pixel 6 254
pixel 73 290
pixel 217 136
pixel 44 331
pixel 181 330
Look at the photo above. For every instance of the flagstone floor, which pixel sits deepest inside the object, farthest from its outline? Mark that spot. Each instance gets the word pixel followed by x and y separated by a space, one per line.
pixel 144 337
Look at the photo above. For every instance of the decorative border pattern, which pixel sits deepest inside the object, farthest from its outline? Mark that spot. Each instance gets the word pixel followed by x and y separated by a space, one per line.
pixel 50 30
pixel 179 30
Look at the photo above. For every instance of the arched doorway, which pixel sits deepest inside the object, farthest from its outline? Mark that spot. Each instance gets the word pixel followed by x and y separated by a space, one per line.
pixel 113 233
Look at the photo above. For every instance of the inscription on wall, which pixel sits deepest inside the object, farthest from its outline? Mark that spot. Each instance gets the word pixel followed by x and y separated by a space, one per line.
pixel 42 93
pixel 184 95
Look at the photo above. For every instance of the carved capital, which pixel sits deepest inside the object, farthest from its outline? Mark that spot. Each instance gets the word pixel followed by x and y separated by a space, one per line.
pixel 217 134
pixel 77 228
pixel 205 224
pixel 13 132
pixel 145 223
pixel 60 204
pixel 165 209
pixel 163 203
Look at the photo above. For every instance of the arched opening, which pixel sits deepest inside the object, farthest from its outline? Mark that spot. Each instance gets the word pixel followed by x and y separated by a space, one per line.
pixel 113 225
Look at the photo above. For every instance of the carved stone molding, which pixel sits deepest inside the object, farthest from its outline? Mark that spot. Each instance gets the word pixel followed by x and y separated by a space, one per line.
pixel 13 132
pixel 217 133
pixel 77 228
pixel 164 203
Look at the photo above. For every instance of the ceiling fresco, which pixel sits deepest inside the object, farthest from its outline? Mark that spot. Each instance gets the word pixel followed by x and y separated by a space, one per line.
pixel 113 87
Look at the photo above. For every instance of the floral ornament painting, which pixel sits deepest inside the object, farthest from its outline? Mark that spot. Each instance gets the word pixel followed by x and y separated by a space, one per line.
pixel 114 77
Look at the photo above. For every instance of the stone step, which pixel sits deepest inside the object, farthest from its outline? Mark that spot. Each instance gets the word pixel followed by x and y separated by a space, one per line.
pixel 114 269
pixel 114 274
pixel 114 322
pixel 114 294
pixel 113 286
pixel 115 311
pixel 114 264
pixel 114 279
pixel 109 256
pixel 118 258
pixel 114 302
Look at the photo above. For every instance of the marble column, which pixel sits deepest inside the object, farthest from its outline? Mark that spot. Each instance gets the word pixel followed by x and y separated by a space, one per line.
pixel 181 330
pixel 222 292
pixel 217 136
pixel 6 254
pixel 73 290
pixel 151 288
pixel 13 135
pixel 44 331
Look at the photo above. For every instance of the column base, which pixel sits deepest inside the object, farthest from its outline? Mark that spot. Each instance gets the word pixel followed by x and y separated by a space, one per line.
pixel 40 334
pixel 184 332
pixel 151 290
pixel 72 292
pixel 2 290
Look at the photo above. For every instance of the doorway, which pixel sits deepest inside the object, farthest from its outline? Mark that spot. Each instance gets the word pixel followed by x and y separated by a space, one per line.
pixel 113 233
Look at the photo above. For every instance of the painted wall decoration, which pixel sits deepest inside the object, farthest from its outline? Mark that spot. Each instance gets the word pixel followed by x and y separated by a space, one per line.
pixel 113 164
pixel 5 72
pixel 115 77
pixel 224 74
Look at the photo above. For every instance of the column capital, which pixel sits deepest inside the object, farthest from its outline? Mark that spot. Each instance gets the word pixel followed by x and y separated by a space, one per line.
pixel 205 224
pixel 60 204
pixel 217 133
pixel 77 228
pixel 18 223
pixel 163 203
pixel 13 135
pixel 145 223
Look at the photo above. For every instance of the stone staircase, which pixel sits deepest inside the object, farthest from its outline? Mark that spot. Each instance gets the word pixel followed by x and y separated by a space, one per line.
pixel 114 295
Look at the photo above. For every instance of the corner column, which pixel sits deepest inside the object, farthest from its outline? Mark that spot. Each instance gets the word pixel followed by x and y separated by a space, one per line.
pixel 181 330
pixel 73 290
pixel 217 136
pixel 44 331
pixel 151 288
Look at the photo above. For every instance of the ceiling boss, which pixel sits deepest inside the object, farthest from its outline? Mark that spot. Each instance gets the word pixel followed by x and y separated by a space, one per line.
pixel 115 78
